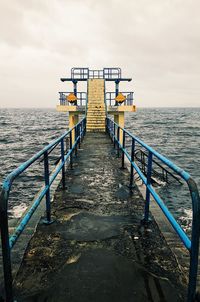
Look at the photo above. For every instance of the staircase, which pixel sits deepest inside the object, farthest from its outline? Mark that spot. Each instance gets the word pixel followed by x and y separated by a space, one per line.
pixel 96 110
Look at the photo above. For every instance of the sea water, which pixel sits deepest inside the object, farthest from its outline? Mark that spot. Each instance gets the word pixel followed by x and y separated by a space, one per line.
pixel 174 132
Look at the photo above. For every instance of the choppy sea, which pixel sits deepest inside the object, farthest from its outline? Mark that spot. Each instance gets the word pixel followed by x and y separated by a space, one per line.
pixel 174 132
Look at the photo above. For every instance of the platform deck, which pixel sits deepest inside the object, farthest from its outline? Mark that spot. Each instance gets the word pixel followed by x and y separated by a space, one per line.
pixel 97 249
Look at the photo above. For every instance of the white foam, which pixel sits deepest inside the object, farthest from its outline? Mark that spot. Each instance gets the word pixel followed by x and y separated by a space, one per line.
pixel 17 211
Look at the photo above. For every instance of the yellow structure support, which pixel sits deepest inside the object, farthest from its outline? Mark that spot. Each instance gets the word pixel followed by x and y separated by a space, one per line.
pixel 73 120
pixel 119 119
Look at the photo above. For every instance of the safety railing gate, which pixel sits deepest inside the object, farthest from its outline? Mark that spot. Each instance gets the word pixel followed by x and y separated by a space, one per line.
pixel 119 137
pixel 75 136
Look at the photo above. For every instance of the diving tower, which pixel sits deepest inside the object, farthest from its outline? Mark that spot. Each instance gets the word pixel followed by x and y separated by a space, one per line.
pixel 97 102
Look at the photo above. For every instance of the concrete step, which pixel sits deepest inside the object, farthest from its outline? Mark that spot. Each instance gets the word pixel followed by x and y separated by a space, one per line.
pixel 96 125
pixel 96 97
pixel 96 102
pixel 95 113
pixel 96 130
pixel 95 117
pixel 98 119
pixel 98 106
pixel 94 109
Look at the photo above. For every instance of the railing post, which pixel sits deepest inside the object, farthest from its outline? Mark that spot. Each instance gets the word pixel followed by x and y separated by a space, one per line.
pixel 118 141
pixel 123 146
pixel 70 144
pixel 46 178
pixel 84 127
pixel 132 160
pixel 79 135
pixel 149 170
pixel 7 268
pixel 63 162
pixel 76 136
pixel 114 135
pixel 194 252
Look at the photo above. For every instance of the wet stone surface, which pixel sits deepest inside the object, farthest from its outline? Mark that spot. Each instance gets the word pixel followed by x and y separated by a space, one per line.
pixel 97 249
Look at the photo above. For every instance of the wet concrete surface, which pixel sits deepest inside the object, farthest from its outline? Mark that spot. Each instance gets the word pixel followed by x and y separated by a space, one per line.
pixel 97 249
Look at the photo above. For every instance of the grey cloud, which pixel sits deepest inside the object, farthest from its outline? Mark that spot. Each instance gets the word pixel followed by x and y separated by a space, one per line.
pixel 156 42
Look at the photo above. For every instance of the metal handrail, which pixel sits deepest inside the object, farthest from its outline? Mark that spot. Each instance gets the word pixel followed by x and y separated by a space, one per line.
pixel 81 98
pixel 105 73
pixel 111 95
pixel 166 172
pixel 192 244
pixel 78 131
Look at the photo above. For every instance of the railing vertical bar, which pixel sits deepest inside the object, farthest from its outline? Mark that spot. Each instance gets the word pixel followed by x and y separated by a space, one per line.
pixel 147 202
pixel 194 252
pixel 118 129
pixel 114 136
pixel 46 177
pixel 70 144
pixel 79 135
pixel 63 161
pixel 7 267
pixel 123 146
pixel 132 160
pixel 75 141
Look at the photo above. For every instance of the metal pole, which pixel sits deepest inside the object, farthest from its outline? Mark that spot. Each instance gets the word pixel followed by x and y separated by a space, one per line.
pixel 76 136
pixel 194 252
pixel 132 160
pixel 149 169
pixel 70 144
pixel 79 134
pixel 116 90
pixel 118 141
pixel 63 161
pixel 46 178
pixel 75 90
pixel 114 135
pixel 123 146
pixel 7 268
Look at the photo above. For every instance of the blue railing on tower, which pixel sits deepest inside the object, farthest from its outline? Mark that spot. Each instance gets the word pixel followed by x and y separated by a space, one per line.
pixel 110 98
pixel 81 98
pixel 119 137
pixel 105 73
pixel 74 137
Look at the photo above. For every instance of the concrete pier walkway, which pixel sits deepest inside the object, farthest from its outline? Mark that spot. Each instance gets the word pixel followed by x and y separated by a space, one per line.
pixel 97 249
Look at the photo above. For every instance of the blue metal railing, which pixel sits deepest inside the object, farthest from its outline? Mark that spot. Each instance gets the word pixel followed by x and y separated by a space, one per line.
pixel 110 98
pixel 105 73
pixel 76 133
pixel 118 135
pixel 81 98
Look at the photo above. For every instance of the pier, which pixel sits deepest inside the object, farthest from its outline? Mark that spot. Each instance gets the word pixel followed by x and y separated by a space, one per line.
pixel 98 240
pixel 97 249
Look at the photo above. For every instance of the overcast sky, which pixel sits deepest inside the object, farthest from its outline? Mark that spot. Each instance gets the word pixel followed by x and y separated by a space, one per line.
pixel 156 42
